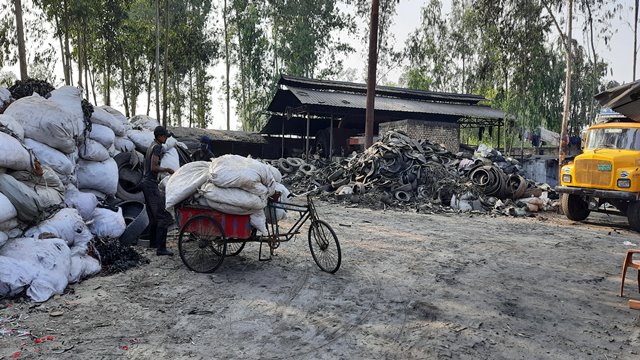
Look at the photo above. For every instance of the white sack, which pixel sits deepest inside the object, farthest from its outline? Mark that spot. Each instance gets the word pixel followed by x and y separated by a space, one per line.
pixel 5 96
pixel 277 176
pixel 101 176
pixel 107 223
pixel 112 151
pixel 50 257
pixel 84 202
pixel 259 221
pixel 69 99
pixel 102 134
pixel 48 186
pixel 234 171
pixel 10 123
pixel 45 122
pixel 170 159
pixel 123 144
pixel 225 208
pixel 23 197
pixel 141 138
pixel 92 150
pixel 12 154
pixel 51 157
pixel 66 224
pixel 233 196
pixel 82 266
pixel 3 238
pixel 185 182
pixel 274 214
pixel 7 210
pixel 144 122
pixel 101 116
pixel 15 274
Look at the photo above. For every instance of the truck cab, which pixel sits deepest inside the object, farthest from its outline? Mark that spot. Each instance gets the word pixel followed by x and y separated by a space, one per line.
pixel 608 171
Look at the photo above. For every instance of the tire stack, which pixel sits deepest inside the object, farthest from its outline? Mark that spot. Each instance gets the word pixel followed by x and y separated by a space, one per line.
pixel 401 171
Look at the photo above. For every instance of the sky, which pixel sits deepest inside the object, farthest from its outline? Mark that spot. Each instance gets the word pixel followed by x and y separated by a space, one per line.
pixel 619 54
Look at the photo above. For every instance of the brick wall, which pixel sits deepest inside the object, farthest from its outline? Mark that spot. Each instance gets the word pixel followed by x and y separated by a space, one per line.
pixel 444 133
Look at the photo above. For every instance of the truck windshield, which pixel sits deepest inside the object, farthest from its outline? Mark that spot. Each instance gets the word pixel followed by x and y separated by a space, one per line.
pixel 611 138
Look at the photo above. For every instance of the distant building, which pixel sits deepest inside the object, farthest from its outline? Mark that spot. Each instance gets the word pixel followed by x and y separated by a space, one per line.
pixel 308 115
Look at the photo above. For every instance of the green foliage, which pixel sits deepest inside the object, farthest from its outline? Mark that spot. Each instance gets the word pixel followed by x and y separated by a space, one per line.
pixel 501 49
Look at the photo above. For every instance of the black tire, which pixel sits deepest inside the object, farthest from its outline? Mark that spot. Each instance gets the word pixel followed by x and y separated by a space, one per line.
pixel 574 207
pixel 324 246
pixel 633 215
pixel 202 244
pixel 129 177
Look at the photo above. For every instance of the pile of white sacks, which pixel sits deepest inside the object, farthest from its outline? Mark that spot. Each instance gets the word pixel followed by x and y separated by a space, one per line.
pixel 231 184
pixel 47 222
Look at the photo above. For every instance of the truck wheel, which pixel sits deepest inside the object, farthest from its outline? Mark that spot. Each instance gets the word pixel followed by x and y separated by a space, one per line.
pixel 633 215
pixel 574 207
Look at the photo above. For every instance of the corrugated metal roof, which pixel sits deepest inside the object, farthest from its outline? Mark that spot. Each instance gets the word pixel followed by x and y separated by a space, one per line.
pixel 384 103
pixel 344 86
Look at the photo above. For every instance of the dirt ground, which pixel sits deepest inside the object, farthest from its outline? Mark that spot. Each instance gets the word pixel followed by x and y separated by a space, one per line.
pixel 411 286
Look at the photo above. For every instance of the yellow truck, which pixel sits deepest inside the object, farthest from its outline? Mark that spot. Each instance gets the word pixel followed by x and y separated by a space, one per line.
pixel 608 171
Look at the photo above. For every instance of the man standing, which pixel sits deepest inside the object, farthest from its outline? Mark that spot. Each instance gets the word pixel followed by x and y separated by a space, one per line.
pixel 159 217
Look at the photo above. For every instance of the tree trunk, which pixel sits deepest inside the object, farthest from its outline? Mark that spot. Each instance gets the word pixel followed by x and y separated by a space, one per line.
pixel 567 91
pixel 86 66
pixel 79 49
pixel 227 61
pixel 124 91
pixel 65 65
pixel 66 41
pixel 22 53
pixel 191 98
pixel 92 77
pixel 149 84
pixel 635 41
pixel 164 64
pixel 158 60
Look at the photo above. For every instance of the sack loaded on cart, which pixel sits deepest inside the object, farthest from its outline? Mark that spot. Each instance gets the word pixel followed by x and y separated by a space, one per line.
pixel 223 204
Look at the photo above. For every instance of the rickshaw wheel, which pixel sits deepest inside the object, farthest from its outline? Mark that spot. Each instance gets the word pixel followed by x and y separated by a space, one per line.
pixel 233 248
pixel 324 246
pixel 202 244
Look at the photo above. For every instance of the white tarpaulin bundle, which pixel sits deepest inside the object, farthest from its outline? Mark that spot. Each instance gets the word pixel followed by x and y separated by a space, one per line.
pixel 100 176
pixel 13 155
pixel 44 121
pixel 48 263
pixel 234 171
pixel 185 182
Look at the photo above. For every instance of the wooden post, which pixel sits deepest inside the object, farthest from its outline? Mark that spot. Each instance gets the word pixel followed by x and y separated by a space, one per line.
pixel 307 140
pixel 331 138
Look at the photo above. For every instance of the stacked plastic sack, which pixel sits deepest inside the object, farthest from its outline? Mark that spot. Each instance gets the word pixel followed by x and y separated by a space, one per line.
pixel 231 184
pixel 44 236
